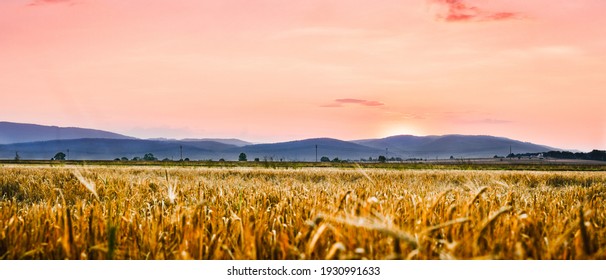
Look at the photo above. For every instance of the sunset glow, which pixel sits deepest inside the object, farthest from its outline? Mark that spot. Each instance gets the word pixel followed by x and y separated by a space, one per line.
pixel 269 71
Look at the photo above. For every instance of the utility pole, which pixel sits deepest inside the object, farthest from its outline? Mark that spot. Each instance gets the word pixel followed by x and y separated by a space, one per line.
pixel 181 150
pixel 67 154
pixel 316 153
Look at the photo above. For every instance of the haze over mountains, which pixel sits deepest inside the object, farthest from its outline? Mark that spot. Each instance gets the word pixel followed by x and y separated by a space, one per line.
pixel 455 145
pixel 43 142
pixel 21 132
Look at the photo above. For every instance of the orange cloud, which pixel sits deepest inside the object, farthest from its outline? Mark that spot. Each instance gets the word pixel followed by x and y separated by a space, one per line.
pixel 460 11
pixel 45 2
pixel 359 101
pixel 340 102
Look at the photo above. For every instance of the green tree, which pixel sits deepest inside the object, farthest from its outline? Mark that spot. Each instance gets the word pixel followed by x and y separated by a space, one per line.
pixel 59 156
pixel 149 157
pixel 124 159
pixel 242 157
pixel 324 159
pixel 336 159
pixel 382 159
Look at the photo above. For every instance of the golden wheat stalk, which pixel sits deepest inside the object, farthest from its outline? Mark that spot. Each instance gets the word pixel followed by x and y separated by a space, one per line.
pixel 486 223
pixel 446 224
pixel 365 223
pixel 90 185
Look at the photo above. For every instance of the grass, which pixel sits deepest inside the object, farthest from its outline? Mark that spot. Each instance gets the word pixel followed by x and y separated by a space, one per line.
pixel 193 212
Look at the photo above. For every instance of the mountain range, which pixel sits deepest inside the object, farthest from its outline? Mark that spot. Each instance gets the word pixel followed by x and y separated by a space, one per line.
pixel 22 132
pixel 32 141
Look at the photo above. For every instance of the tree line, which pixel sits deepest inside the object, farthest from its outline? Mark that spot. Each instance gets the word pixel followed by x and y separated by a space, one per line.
pixel 593 155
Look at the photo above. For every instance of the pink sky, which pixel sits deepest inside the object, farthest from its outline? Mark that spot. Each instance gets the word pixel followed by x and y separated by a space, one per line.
pixel 269 71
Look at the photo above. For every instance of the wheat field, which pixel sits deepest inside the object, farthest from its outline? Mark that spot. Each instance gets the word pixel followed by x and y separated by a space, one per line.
pixel 146 212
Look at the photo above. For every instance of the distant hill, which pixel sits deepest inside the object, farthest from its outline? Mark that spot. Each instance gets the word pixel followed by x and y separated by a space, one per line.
pixel 43 142
pixel 229 141
pixel 205 144
pixel 107 149
pixel 20 132
pixel 399 144
pixel 408 146
pixel 305 150
pixel 302 150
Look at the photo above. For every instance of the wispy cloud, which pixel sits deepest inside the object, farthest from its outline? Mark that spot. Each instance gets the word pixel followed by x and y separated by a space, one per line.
pixel 48 2
pixel 461 11
pixel 486 121
pixel 359 101
pixel 343 101
pixel 324 31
